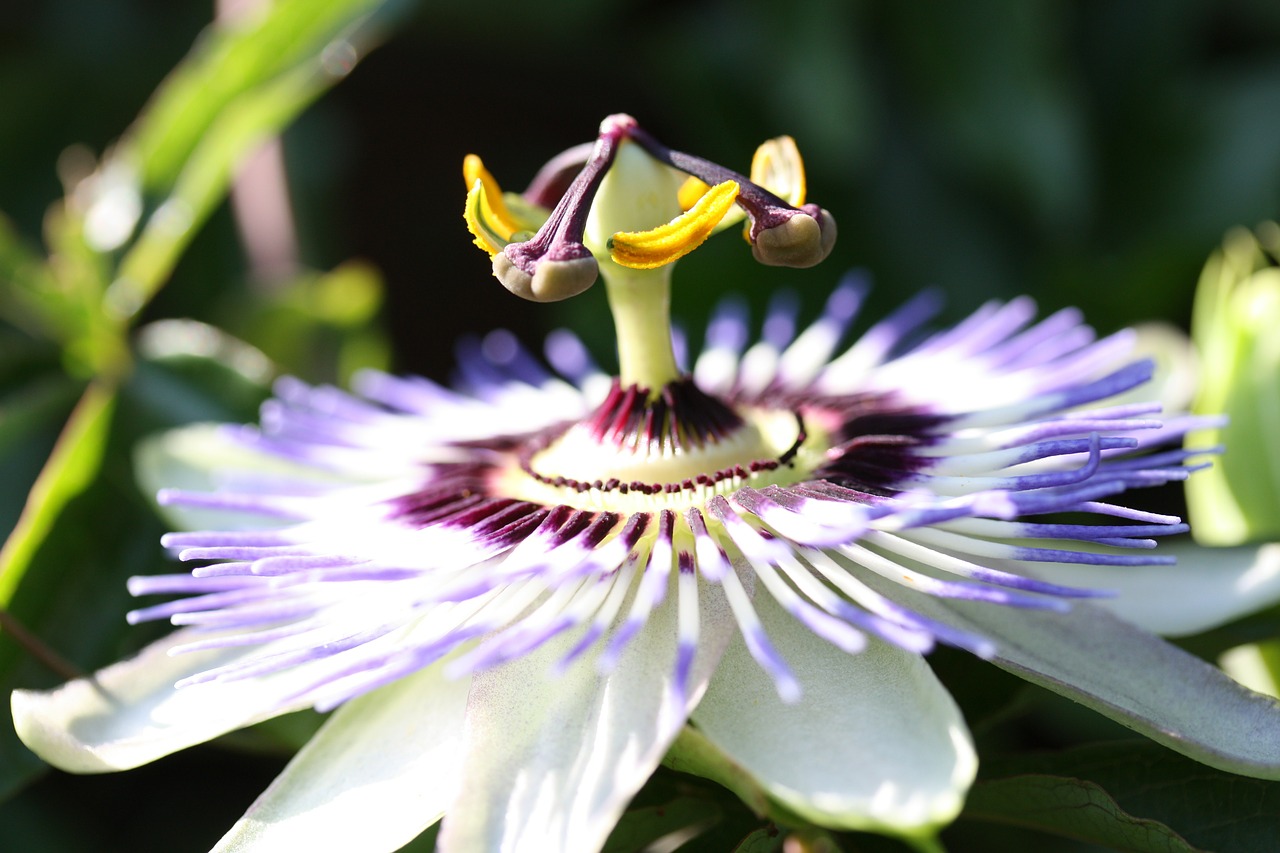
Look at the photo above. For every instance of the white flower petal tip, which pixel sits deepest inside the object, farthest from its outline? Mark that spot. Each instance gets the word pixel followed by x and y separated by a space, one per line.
pixel 378 773
pixel 130 713
pixel 1206 588
pixel 1135 678
pixel 876 744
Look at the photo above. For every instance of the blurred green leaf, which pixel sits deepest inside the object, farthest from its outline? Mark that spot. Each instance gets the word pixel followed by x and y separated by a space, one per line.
pixel 190 371
pixel 319 326
pixel 766 839
pixel 204 179
pixel 1237 310
pixel 1131 796
pixel 70 469
pixel 26 298
pixel 33 407
pixel 229 61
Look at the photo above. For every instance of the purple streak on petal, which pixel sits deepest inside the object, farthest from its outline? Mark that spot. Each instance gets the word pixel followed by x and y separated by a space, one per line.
pixel 887 334
pixel 1062 447
pixel 997 595
pixel 1125 413
pixel 1067 426
pixel 241 552
pixel 712 562
pixel 754 546
pixel 974 336
pixel 360 572
pixel 1055 335
pixel 1054 479
pixel 763 652
pixel 208 602
pixel 680 347
pixel 651 592
pixel 286 565
pixel 1169 458
pixel 905 637
pixel 1098 532
pixel 279 507
pixel 406 394
pixel 1009 580
pixel 794 525
pixel 503 350
pixel 139 585
pixel 683 671
pixel 780 319
pixel 1059 500
pixel 218 538
pixel 273 663
pixel 727 329
pixel 567 354
pixel 243 616
pixel 233 569
pixel 1126 512
pixel 823 625
pixel 517 641
pixel 846 300
pixel 1111 385
pixel 476 374
pixel 973 643
pixel 327 400
pixel 1056 555
pixel 594 632
pixel 247 638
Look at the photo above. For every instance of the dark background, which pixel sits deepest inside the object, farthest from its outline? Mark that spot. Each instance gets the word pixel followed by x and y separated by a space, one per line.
pixel 1088 153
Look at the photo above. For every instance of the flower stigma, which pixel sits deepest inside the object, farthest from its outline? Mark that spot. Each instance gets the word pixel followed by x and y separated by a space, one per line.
pixel 657 440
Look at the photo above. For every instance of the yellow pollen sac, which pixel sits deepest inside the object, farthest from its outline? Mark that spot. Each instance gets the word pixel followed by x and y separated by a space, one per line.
pixel 487 216
pixel 778 168
pixel 690 191
pixel 646 250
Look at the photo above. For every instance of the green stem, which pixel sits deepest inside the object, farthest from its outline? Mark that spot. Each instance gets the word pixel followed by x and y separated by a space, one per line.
pixel 640 301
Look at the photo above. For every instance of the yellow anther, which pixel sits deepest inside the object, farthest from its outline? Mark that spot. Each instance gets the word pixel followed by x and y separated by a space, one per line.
pixel 488 217
pixel 690 191
pixel 645 250
pixel 778 168
pixel 490 233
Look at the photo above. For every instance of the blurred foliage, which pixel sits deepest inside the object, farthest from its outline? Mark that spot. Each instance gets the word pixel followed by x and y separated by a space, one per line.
pixel 1237 312
pixel 1088 153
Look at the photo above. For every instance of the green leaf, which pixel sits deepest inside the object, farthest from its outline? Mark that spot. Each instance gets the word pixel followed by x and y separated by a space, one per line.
pixel 1131 796
pixel 26 299
pixel 203 181
pixel 230 60
pixel 766 839
pixel 71 468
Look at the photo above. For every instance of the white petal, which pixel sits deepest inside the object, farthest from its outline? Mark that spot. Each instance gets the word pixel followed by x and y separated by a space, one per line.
pixel 130 713
pixel 1133 677
pixel 1208 587
pixel 553 760
pixel 379 772
pixel 874 743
